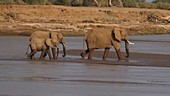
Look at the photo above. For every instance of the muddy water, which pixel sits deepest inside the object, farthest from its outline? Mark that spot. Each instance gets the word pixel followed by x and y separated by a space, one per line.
pixel 22 77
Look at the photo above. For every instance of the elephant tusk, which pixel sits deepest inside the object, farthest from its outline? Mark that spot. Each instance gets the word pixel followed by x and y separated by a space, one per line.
pixel 130 42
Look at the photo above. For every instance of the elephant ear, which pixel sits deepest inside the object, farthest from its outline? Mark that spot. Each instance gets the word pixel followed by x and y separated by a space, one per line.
pixel 60 36
pixel 49 43
pixel 53 35
pixel 117 34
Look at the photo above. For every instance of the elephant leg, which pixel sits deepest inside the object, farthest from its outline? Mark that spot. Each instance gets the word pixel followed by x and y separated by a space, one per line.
pixel 49 53
pixel 42 54
pixel 106 51
pixel 119 55
pixel 57 52
pixel 117 48
pixel 127 48
pixel 127 51
pixel 84 53
pixel 54 52
pixel 91 53
pixel 45 54
pixel 31 54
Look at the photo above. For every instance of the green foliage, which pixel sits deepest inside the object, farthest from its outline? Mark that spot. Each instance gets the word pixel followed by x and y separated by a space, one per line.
pixel 160 4
pixel 163 6
pixel 10 2
pixel 147 5
pixel 141 1
pixel 76 2
pixel 56 1
pixel 61 2
pixel 130 3
pixel 19 2
pixel 161 1
pixel 7 2
pixel 35 2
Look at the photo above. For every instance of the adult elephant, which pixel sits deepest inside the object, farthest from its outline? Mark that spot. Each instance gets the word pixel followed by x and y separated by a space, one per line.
pixel 99 39
pixel 52 35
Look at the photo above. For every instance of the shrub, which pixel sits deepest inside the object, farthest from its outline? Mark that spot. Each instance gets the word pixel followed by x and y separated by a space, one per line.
pixel 163 6
pixel 130 3
pixel 10 2
pixel 147 5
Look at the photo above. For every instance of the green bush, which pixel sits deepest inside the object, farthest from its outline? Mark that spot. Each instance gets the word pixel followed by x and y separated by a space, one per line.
pixel 147 5
pixel 20 2
pixel 36 2
pixel 161 1
pixel 130 3
pixel 11 2
pixel 163 6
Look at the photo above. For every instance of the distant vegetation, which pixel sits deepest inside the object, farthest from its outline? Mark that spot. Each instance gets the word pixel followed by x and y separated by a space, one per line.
pixel 158 4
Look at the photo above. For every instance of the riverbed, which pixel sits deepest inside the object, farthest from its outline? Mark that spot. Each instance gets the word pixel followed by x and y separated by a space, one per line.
pixel 145 73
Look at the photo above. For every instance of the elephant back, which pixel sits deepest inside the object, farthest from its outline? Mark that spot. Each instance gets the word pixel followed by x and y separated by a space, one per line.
pixel 99 38
pixel 40 34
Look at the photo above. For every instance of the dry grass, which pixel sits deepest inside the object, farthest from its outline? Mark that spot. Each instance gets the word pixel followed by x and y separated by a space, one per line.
pixel 72 21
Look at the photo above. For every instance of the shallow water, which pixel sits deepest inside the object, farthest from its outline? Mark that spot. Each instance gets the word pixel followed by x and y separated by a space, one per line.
pixel 37 78
pixel 72 76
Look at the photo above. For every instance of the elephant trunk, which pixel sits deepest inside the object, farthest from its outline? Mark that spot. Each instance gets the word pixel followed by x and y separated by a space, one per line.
pixel 57 51
pixel 53 52
pixel 64 49
pixel 127 42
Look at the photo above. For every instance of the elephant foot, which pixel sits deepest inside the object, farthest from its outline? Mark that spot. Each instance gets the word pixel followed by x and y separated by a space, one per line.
pixel 82 55
pixel 32 58
pixel 104 59
pixel 120 59
pixel 41 58
pixel 29 57
pixel 51 59
pixel 90 59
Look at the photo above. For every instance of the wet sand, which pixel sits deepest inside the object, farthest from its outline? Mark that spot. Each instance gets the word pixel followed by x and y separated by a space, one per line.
pixel 143 74
pixel 136 59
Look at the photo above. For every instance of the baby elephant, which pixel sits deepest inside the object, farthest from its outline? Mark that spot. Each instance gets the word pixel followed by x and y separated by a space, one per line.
pixel 37 44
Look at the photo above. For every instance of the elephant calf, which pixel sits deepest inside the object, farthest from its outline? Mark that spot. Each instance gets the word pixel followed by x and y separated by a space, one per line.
pixel 37 44
pixel 97 39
